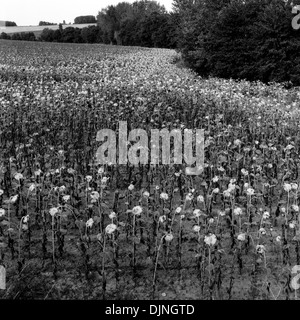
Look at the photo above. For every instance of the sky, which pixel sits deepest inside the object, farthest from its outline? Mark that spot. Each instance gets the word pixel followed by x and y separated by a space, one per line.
pixel 31 12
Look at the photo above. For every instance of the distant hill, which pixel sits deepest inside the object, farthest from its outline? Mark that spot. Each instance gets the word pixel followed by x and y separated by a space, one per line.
pixel 37 30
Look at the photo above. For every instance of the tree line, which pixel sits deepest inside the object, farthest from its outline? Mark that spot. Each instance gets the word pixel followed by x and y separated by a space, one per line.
pixel 237 39
pixel 91 34
pixel 142 23
pixel 45 23
pixel 24 36
pixel 8 24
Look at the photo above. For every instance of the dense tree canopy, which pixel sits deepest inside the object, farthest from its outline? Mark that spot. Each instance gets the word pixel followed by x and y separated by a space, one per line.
pixel 92 34
pixel 85 19
pixel 8 24
pixel 45 23
pixel 239 39
pixel 142 23
pixel 5 36
pixel 24 36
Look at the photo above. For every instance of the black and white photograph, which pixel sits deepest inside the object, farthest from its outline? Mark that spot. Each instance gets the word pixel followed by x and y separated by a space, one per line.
pixel 150 151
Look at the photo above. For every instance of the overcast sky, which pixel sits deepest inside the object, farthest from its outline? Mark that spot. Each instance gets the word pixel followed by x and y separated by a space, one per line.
pixel 30 12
